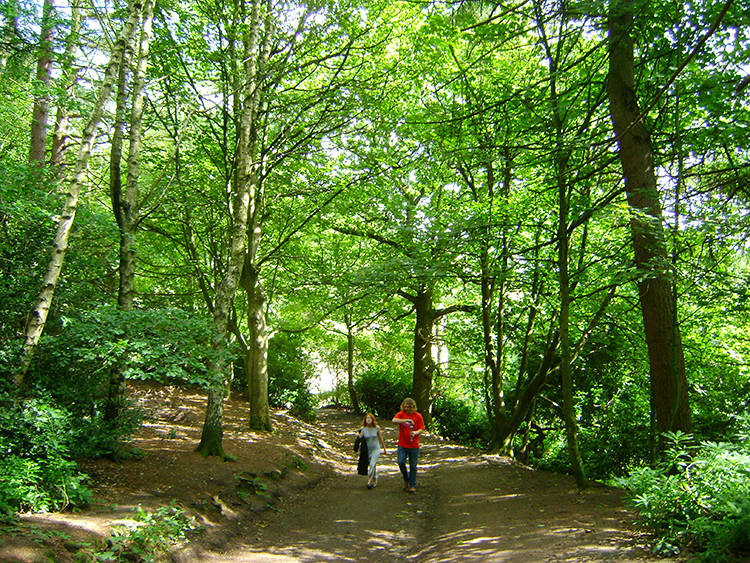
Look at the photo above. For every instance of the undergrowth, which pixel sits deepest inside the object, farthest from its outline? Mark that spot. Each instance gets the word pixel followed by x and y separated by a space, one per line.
pixel 697 498
pixel 149 537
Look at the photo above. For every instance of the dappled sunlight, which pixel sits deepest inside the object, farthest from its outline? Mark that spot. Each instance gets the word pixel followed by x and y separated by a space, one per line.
pixel 469 506
pixel 518 544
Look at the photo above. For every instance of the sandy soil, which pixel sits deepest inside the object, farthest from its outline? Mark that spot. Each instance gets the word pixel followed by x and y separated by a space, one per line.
pixel 294 496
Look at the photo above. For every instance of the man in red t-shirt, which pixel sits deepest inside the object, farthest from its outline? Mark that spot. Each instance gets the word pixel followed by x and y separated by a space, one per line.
pixel 411 426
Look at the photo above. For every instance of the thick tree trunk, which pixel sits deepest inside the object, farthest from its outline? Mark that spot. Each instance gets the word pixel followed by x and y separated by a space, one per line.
pixel 493 375
pixel 424 364
pixel 658 303
pixel 257 355
pixel 213 427
pixel 38 316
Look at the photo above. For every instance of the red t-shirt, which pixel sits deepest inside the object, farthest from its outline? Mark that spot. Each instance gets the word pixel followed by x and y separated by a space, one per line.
pixel 405 428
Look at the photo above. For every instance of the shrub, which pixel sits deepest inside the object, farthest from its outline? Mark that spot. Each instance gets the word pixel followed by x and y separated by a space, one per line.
pixel 151 535
pixel 700 499
pixel 74 366
pixel 381 393
pixel 460 420
pixel 290 370
pixel 165 345
pixel 36 473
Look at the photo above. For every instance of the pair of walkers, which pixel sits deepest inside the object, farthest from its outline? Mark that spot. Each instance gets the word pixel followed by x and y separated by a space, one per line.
pixel 411 426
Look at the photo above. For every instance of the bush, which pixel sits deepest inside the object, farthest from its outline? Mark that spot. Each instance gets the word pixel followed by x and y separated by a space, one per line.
pixel 36 473
pixel 290 370
pixel 74 366
pixel 701 500
pixel 460 420
pixel 165 345
pixel 381 393
pixel 151 535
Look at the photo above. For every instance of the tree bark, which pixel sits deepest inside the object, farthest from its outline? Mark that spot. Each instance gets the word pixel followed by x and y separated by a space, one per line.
pixel 657 299
pixel 40 114
pixel 125 204
pixel 38 316
pixel 566 372
pixel 424 363
pixel 257 353
pixel 350 366
pixel 562 154
pixel 257 365
pixel 70 75
pixel 245 200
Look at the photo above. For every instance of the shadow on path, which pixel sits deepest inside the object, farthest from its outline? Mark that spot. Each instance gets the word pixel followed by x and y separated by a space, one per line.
pixel 469 508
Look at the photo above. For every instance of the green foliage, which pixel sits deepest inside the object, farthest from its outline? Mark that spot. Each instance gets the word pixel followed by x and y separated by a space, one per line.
pixel 95 437
pixel 459 419
pixel 74 366
pixel 381 392
pixel 36 472
pixel 27 226
pixel 697 498
pixel 157 344
pixel 151 535
pixel 166 345
pixel 290 370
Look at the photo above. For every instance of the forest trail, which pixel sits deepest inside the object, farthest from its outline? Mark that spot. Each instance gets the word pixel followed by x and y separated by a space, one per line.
pixel 469 508
pixel 306 503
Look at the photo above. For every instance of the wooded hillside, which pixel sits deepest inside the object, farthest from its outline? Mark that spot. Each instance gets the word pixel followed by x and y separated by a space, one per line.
pixel 531 216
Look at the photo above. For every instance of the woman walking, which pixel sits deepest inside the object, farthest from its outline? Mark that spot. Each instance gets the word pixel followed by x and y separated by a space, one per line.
pixel 370 432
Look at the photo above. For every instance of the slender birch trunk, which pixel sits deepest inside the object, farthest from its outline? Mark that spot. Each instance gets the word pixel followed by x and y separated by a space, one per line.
pixel 125 202
pixel 38 316
pixel 40 114
pixel 70 76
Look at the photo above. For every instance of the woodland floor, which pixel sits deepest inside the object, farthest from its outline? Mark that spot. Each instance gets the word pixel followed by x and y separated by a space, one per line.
pixel 309 504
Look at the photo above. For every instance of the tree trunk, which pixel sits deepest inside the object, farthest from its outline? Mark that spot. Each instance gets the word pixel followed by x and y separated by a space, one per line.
pixel 492 333
pixel 561 160
pixel 40 115
pixel 257 354
pixel 38 316
pixel 658 302
pixel 526 394
pixel 244 206
pixel 125 202
pixel 60 135
pixel 424 364
pixel 213 427
pixel 350 366
pixel 568 407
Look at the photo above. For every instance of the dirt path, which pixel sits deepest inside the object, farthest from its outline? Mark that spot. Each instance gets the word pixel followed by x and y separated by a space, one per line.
pixel 307 504
pixel 469 508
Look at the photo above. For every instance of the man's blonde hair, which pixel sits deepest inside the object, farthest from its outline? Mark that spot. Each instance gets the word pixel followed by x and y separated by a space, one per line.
pixel 408 402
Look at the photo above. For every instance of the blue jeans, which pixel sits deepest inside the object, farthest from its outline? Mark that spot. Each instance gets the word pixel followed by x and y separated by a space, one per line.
pixel 410 476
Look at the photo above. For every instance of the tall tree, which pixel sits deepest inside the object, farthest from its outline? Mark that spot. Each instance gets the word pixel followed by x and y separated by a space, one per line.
pixel 38 315
pixel 125 199
pixel 657 299
pixel 254 32
pixel 40 117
